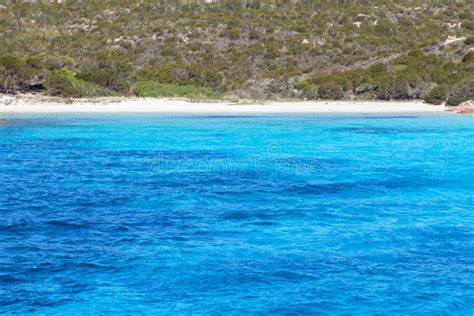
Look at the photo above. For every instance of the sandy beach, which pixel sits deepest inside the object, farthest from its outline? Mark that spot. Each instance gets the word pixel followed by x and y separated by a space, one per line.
pixel 40 104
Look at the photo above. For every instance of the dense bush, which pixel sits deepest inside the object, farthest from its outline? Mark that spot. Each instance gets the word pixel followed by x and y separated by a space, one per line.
pixel 11 69
pixel 330 90
pixel 469 25
pixel 437 95
pixel 468 58
pixel 18 74
pixel 172 74
pixel 114 77
pixel 385 27
pixel 395 88
pixel 156 89
pixel 196 75
pixel 461 92
pixel 64 83
pixel 469 40
pixel 55 62
pixel 233 34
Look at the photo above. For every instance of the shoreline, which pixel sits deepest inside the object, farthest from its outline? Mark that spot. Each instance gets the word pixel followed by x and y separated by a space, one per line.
pixel 17 104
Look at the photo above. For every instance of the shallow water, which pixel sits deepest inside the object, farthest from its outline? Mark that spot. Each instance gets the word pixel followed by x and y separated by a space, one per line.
pixel 148 214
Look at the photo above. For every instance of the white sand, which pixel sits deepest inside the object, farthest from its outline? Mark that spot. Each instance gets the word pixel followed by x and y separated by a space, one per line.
pixel 38 104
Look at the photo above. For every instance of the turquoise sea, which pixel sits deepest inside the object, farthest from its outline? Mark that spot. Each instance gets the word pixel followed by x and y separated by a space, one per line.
pixel 149 214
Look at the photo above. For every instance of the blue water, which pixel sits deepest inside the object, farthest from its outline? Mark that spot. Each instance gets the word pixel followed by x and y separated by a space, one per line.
pixel 315 214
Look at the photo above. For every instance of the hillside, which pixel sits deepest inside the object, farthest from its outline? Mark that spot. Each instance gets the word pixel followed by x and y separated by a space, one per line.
pixel 248 49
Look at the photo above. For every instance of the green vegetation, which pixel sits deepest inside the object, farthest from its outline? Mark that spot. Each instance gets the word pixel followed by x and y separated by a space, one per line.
pixel 156 89
pixel 414 76
pixel 18 74
pixel 461 92
pixel 63 82
pixel 255 49
pixel 437 95
pixel 469 41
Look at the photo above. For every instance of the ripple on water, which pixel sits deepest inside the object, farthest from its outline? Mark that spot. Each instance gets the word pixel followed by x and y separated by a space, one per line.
pixel 348 215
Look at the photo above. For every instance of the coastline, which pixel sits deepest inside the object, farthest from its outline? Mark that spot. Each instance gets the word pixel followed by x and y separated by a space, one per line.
pixel 17 104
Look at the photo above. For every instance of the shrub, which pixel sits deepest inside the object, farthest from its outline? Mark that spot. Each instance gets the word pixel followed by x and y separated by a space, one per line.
pixel 60 83
pixel 468 58
pixel 233 33
pixel 156 89
pixel 169 49
pixel 254 34
pixel 194 47
pixel 377 70
pixel 17 73
pixel 385 28
pixel 212 78
pixel 469 25
pixel 331 90
pixel 395 88
pixel 308 91
pixel 168 73
pixel 461 92
pixel 64 83
pixel 469 41
pixel 11 68
pixel 58 62
pixel 114 77
pixel 437 95
pixel 35 63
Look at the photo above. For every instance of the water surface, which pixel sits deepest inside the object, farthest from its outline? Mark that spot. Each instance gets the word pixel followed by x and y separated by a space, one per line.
pixel 150 214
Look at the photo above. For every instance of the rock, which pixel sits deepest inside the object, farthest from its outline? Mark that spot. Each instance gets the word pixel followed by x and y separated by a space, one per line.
pixel 466 107
pixel 453 39
pixel 462 110
pixel 467 110
pixel 3 122
pixel 468 103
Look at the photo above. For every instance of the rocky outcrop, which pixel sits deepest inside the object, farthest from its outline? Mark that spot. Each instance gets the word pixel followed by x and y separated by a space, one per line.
pixel 464 108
